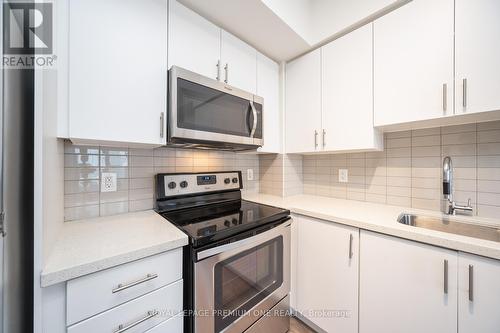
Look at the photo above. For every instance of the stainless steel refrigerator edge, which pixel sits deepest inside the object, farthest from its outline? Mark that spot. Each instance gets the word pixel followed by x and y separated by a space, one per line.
pixel 16 199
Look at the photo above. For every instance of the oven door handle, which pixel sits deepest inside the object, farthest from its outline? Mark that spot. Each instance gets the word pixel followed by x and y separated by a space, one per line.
pixel 241 243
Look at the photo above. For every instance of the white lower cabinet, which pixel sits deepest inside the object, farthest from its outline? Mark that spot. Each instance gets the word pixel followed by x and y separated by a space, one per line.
pixel 406 286
pixel 478 294
pixel 145 295
pixel 327 274
pixel 137 315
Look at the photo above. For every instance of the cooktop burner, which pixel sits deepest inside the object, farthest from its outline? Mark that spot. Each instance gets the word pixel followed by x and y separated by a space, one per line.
pixel 215 222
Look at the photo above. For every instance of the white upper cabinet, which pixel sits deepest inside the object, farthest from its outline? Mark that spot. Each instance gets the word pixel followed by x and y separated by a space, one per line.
pixel 117 71
pixel 347 93
pixel 327 274
pixel 303 103
pixel 406 286
pixel 268 86
pixel 477 54
pixel 194 42
pixel 413 62
pixel 478 294
pixel 239 63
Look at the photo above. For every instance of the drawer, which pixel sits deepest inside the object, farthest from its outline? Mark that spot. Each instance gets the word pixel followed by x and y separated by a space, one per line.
pixel 98 292
pixel 173 325
pixel 138 315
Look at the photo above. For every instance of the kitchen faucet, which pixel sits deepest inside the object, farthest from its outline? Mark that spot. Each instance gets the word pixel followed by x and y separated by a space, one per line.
pixel 452 207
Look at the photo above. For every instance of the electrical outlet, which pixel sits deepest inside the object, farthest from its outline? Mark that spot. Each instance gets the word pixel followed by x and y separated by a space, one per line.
pixel 343 176
pixel 108 182
pixel 249 174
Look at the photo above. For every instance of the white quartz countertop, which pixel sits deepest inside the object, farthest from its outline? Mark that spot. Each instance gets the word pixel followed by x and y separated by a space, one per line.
pixel 88 246
pixel 383 219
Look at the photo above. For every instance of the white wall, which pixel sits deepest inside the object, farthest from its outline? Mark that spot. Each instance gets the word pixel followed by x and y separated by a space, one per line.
pixel 295 13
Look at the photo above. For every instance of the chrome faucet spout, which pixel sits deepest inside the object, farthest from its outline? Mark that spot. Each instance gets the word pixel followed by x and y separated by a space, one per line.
pixel 451 205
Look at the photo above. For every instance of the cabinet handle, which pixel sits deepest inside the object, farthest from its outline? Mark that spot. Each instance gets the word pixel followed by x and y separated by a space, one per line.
pixel 218 71
pixel 226 68
pixel 350 246
pixel 445 97
pixel 324 136
pixel 471 283
pixel 445 284
pixel 123 328
pixel 162 124
pixel 135 283
pixel 464 93
pixel 315 139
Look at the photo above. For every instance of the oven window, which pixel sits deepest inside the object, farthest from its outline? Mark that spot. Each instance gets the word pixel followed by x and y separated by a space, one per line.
pixel 204 109
pixel 245 279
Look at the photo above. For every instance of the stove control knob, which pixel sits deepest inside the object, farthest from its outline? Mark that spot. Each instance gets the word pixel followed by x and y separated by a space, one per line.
pixel 235 180
pixel 227 223
pixel 227 181
pixel 184 184
pixel 172 185
pixel 235 221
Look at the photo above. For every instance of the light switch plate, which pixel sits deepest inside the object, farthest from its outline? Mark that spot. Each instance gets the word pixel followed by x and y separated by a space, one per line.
pixel 108 182
pixel 343 176
pixel 249 174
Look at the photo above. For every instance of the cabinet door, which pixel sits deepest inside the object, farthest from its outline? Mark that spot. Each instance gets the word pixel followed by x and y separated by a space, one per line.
pixel 117 72
pixel 327 274
pixel 194 42
pixel 413 62
pixel 268 86
pixel 402 286
pixel 477 51
pixel 303 103
pixel 479 297
pixel 239 62
pixel 347 93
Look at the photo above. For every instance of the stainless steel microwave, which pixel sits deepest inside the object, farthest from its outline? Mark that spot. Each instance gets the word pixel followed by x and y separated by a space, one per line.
pixel 206 113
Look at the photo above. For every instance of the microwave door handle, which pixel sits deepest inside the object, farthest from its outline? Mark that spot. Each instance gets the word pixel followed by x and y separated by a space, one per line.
pixel 254 125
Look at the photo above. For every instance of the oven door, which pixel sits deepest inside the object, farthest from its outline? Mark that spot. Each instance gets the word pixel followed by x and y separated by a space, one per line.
pixel 236 283
pixel 206 110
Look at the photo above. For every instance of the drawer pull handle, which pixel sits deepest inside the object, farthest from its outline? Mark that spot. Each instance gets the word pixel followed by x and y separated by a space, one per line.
pixel 123 328
pixel 471 283
pixel 350 246
pixel 121 287
pixel 445 284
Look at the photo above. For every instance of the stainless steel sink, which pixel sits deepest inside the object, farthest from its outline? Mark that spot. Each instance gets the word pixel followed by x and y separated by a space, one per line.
pixel 451 225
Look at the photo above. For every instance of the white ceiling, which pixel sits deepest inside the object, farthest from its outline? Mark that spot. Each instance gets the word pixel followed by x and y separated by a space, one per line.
pixel 284 29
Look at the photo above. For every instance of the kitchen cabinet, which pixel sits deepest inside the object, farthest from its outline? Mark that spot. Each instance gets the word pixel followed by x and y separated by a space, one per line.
pixel 239 61
pixel 194 43
pixel 268 87
pixel 478 294
pixel 144 295
pixel 202 47
pixel 327 274
pixel 477 32
pixel 347 93
pixel 117 72
pixel 413 62
pixel 406 286
pixel 303 103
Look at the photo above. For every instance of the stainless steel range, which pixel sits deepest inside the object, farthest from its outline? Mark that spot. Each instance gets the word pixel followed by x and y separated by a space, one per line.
pixel 237 264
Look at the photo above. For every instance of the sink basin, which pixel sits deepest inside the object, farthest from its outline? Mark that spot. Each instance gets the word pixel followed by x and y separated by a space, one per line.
pixel 451 225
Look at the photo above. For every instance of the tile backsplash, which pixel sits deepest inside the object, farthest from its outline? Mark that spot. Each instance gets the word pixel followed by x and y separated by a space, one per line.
pixel 135 170
pixel 409 171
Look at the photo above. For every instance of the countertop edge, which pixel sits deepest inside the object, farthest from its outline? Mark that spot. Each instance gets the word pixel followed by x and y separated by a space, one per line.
pixel 434 240
pixel 64 275
pixel 430 237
